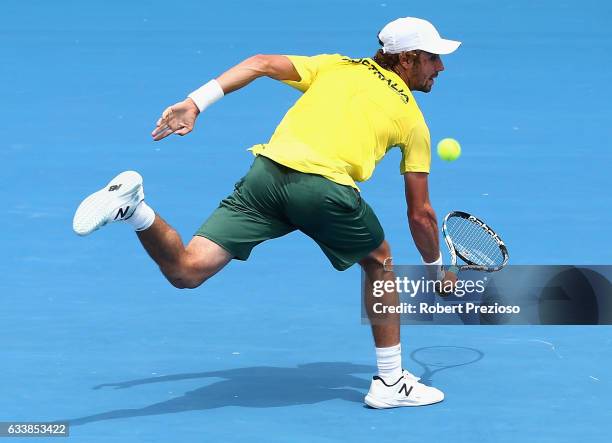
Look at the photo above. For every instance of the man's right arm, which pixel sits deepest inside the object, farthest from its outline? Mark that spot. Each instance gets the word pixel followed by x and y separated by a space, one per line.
pixel 423 222
pixel 180 118
pixel 421 216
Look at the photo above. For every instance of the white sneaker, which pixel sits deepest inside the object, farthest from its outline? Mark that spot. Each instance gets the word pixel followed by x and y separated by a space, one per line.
pixel 406 391
pixel 117 201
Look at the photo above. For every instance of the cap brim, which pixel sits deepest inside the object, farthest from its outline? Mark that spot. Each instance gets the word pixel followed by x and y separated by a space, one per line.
pixel 442 46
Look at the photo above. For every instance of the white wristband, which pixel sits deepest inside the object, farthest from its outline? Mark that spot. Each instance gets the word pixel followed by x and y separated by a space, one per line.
pixel 437 262
pixel 434 269
pixel 206 95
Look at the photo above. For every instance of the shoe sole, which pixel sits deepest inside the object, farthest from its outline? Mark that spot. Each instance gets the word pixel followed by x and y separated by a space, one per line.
pixel 373 403
pixel 94 211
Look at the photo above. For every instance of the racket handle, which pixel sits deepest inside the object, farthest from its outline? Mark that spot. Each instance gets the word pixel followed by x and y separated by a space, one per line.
pixel 454 269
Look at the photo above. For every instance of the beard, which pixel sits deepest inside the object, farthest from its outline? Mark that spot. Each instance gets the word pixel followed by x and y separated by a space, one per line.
pixel 423 84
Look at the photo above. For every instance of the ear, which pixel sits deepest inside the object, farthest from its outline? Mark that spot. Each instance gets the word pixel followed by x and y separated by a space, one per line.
pixel 406 60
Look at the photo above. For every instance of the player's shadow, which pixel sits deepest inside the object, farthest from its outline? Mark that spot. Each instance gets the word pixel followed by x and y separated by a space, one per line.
pixel 254 387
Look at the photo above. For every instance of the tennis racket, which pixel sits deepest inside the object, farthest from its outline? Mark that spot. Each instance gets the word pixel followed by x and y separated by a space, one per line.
pixel 474 242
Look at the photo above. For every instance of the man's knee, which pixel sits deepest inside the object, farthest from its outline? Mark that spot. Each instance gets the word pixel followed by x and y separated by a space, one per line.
pixel 202 259
pixel 379 257
pixel 188 275
pixel 184 281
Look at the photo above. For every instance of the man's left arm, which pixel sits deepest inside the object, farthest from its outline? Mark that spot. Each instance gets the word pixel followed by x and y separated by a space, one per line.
pixel 180 118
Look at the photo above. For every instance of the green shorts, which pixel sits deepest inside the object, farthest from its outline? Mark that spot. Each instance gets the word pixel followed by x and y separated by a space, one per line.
pixel 273 200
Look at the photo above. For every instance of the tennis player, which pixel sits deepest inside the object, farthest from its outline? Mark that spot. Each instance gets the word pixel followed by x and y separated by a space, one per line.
pixel 351 113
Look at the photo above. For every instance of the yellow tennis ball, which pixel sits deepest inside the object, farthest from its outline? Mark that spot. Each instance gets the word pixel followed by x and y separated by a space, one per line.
pixel 449 149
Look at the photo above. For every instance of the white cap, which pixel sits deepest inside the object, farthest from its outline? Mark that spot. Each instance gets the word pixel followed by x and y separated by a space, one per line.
pixel 409 34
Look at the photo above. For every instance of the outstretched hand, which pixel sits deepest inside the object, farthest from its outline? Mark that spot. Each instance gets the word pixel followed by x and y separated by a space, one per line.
pixel 177 119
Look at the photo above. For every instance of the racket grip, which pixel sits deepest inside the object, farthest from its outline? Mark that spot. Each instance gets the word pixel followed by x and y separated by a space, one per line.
pixel 454 269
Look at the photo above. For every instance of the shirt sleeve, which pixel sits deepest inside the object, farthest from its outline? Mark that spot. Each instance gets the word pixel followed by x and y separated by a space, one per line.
pixel 416 151
pixel 309 68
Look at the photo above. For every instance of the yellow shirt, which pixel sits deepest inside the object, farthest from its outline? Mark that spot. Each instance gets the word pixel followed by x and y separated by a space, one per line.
pixel 351 113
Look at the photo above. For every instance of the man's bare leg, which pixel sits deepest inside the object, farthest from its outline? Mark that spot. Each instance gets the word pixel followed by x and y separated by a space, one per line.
pixel 385 327
pixel 122 200
pixel 394 386
pixel 184 267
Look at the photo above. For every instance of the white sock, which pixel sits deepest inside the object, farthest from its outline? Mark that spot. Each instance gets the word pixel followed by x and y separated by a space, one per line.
pixel 389 362
pixel 142 218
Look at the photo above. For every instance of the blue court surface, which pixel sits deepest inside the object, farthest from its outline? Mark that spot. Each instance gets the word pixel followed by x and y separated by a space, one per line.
pixel 273 349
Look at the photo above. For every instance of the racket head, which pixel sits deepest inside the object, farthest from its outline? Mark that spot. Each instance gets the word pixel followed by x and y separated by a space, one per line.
pixel 474 242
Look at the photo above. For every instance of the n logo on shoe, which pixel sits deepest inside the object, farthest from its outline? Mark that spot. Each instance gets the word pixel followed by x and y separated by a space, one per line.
pixel 121 212
pixel 406 390
pixel 114 187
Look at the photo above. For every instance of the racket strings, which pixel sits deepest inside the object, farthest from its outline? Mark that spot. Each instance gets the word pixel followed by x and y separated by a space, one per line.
pixel 474 243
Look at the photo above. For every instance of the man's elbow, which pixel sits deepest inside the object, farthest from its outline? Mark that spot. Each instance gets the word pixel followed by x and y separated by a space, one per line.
pixel 421 217
pixel 260 63
pixel 278 67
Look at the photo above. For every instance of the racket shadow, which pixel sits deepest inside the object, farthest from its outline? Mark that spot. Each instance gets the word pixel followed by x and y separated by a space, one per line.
pixel 433 359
